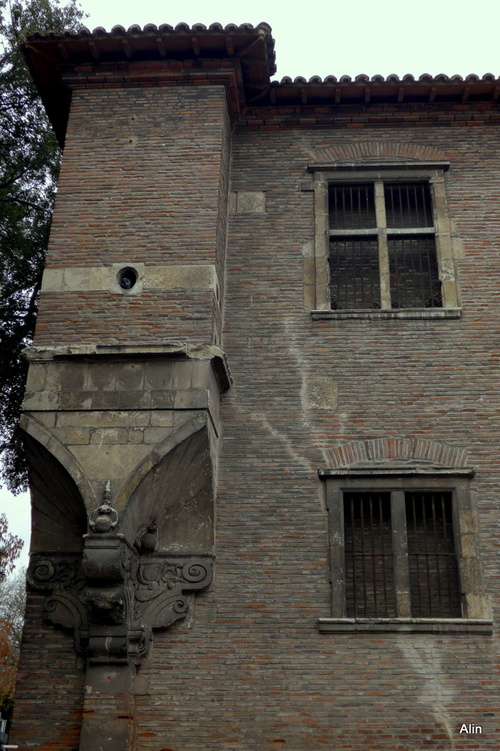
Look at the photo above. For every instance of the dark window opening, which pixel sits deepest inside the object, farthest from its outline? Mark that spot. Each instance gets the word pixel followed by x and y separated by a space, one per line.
pixel 382 246
pixel 352 207
pixel 426 554
pixel 408 205
pixel 413 272
pixel 369 569
pixel 432 562
pixel 354 273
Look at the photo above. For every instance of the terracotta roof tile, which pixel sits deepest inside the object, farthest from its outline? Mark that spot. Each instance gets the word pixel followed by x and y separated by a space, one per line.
pixel 61 61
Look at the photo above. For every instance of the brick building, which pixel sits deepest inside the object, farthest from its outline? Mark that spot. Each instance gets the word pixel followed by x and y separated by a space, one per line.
pixel 263 405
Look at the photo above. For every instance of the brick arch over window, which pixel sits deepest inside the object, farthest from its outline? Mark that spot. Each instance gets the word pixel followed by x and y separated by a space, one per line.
pixel 396 450
pixel 366 150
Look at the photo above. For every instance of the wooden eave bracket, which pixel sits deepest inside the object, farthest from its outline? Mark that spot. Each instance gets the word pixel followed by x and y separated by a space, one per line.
pixel 62 50
pixel 161 46
pixel 93 50
pixel 196 46
pixel 126 48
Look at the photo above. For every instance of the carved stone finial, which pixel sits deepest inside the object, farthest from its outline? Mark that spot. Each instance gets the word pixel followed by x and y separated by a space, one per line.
pixel 114 593
pixel 106 496
pixel 104 518
pixel 147 540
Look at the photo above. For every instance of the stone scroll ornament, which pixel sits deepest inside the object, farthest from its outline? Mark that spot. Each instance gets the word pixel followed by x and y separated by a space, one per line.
pixel 114 594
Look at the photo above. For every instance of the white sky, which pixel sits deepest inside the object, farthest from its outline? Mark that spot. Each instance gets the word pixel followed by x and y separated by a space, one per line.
pixel 327 38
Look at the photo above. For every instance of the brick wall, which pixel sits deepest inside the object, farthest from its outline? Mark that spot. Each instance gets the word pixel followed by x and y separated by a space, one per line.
pixel 435 380
pixel 50 686
pixel 148 186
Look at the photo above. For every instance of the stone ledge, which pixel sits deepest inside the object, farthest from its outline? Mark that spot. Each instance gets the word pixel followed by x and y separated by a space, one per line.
pixel 105 278
pixel 395 469
pixel 423 625
pixel 172 349
pixel 379 315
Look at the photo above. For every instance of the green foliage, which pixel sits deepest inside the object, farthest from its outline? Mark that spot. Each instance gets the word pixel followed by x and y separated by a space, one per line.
pixel 10 550
pixel 12 604
pixel 29 163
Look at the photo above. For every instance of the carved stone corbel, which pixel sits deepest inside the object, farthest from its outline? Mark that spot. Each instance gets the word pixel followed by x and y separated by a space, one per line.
pixel 115 595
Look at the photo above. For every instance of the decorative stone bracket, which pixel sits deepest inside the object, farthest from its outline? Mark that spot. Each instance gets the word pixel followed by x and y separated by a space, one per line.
pixel 114 596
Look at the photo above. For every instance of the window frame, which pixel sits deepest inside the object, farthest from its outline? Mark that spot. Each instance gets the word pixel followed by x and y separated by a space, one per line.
pixel 318 287
pixel 475 616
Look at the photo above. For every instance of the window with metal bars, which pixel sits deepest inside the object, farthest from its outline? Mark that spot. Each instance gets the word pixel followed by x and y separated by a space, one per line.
pixel 382 247
pixel 399 555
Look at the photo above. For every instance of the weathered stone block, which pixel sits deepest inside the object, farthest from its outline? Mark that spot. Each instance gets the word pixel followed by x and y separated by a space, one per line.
pixel 101 376
pixel 162 399
pixel 156 434
pixel 109 435
pixel 250 202
pixel 40 400
pixel 162 418
pixel 76 399
pixel 159 375
pixel 36 377
pixel 109 461
pixel 72 377
pixel 191 399
pixel 129 376
pixel 320 393
pixel 70 436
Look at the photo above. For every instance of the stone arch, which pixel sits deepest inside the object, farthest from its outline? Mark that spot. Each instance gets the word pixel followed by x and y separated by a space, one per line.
pixel 59 517
pixel 366 151
pixel 173 487
pixel 401 451
pixel 39 432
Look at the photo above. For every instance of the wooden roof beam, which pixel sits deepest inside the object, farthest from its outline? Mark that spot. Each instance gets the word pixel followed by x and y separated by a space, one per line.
pixel 93 50
pixel 161 46
pixel 62 49
pixel 126 48
pixel 249 47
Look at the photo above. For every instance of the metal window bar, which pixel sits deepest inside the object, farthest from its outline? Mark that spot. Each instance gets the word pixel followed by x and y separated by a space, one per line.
pixel 354 273
pixel 369 571
pixel 355 252
pixel 414 272
pixel 408 205
pixel 434 588
pixel 352 207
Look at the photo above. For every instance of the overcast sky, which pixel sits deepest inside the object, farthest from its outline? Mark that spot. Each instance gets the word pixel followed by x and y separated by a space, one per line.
pixel 323 37
pixel 328 38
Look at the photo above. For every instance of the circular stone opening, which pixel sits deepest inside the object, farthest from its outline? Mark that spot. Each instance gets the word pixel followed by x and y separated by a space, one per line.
pixel 127 277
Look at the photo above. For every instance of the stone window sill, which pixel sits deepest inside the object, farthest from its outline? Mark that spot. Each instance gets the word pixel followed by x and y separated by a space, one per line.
pixel 425 625
pixel 378 314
